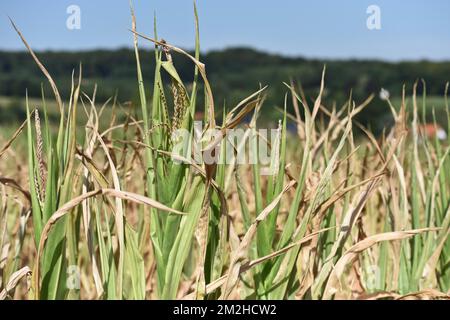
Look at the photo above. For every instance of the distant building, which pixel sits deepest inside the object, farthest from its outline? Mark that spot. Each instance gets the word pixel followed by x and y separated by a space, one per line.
pixel 431 130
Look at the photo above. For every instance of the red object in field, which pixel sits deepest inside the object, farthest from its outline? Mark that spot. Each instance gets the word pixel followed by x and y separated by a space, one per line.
pixel 430 130
pixel 199 116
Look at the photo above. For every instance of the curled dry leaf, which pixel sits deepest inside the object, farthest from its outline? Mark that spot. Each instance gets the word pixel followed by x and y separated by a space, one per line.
pixel 351 254
pixel 13 281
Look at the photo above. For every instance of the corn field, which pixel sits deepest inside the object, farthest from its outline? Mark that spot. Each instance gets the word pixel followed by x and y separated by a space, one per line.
pixel 97 207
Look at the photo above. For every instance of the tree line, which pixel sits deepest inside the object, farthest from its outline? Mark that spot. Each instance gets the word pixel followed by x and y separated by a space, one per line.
pixel 234 74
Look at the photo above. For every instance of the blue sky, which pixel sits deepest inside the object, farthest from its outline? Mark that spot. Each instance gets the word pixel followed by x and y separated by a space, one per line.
pixel 410 30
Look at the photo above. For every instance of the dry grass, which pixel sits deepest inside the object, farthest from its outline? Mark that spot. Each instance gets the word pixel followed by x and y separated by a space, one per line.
pixel 107 208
